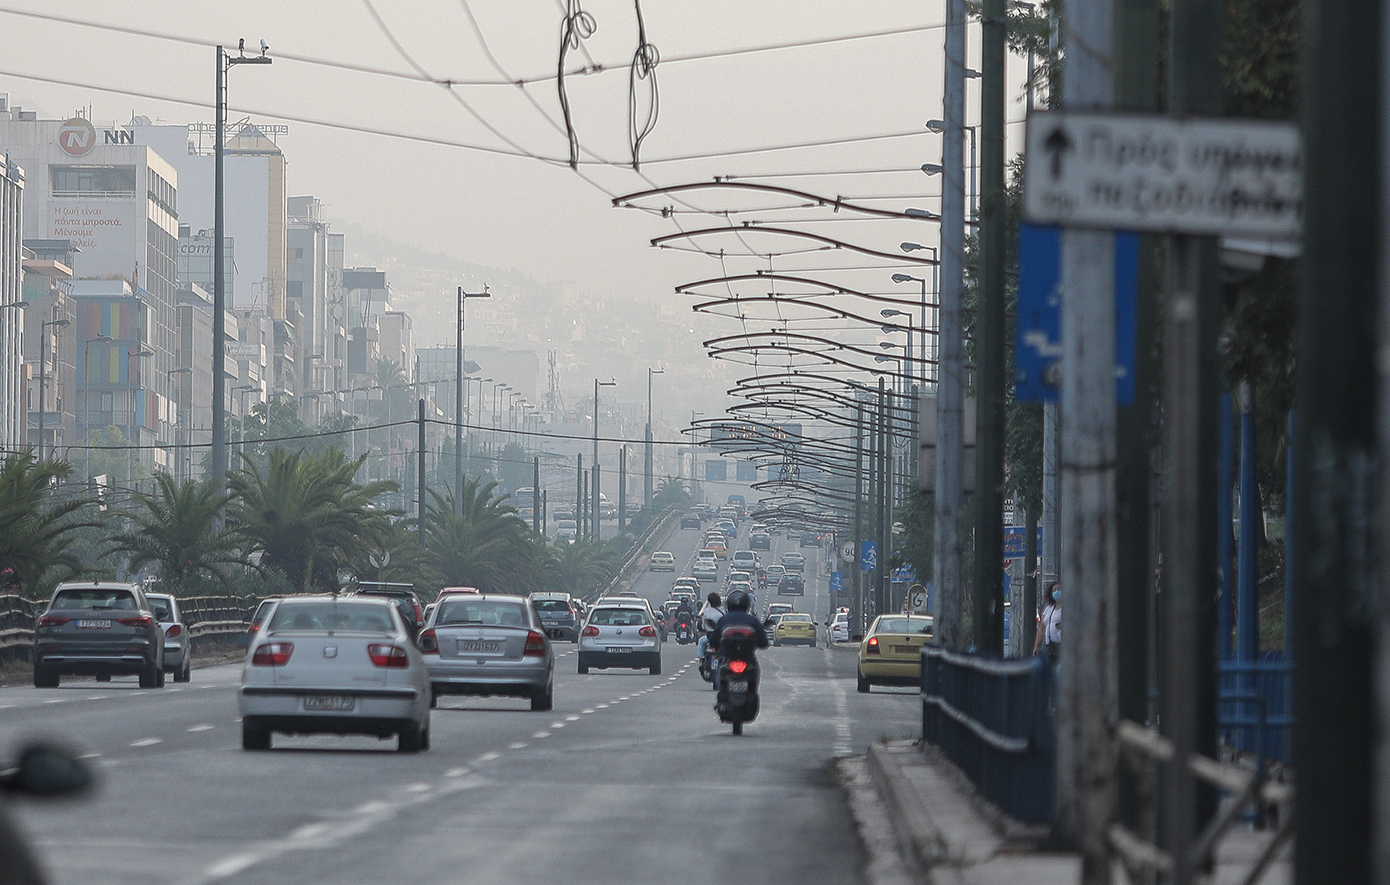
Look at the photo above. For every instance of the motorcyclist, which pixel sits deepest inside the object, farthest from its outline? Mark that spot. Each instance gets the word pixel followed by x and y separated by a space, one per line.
pixel 710 614
pixel 682 615
pixel 739 603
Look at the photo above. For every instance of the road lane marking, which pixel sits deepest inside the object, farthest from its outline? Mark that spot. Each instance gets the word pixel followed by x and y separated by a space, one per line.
pixel 202 727
pixel 571 718
pixel 55 700
pixel 457 772
pixel 147 742
pixel 541 734
pixel 557 725
pixel 590 710
pixel 486 757
pixel 519 745
pixel 418 788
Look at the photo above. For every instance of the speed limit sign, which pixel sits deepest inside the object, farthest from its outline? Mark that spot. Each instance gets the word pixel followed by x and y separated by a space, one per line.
pixel 847 551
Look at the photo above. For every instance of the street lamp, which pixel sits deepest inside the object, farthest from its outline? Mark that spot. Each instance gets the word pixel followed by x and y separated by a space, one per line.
pixel 87 399
pixel 219 288
pixel 594 491
pixel 178 415
pixel 43 373
pixel 458 396
pixel 909 278
pixel 889 312
pixel 939 126
pixel 243 389
pixel 647 482
pixel 133 440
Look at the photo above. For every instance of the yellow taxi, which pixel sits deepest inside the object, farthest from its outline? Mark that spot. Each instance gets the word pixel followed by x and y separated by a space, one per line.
pixel 794 628
pixel 891 653
pixel 719 546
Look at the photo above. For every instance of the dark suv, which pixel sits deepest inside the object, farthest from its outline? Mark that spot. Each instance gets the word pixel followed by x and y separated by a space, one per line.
pixel 404 598
pixel 558 615
pixel 101 629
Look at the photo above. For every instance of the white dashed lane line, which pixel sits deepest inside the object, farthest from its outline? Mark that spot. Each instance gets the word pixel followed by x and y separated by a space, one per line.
pixel 201 727
pixel 147 742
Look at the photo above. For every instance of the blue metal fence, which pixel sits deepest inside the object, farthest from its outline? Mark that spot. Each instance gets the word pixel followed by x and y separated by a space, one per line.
pixel 993 718
pixel 1254 711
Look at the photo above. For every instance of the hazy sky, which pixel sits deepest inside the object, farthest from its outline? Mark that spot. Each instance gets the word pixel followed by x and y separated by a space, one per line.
pixel 537 215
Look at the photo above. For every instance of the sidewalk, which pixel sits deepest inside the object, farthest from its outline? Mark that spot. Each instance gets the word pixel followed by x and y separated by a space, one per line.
pixel 919 807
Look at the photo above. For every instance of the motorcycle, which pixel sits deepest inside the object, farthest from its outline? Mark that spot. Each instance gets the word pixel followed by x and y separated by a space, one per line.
pixel 737 698
pixel 685 631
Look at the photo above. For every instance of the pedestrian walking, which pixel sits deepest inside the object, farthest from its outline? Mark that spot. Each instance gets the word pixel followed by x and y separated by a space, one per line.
pixel 1049 638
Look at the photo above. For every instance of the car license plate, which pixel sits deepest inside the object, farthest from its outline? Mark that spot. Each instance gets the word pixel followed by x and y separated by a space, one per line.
pixel 481 646
pixel 904 649
pixel 93 625
pixel 335 703
pixel 618 651
pixel 741 685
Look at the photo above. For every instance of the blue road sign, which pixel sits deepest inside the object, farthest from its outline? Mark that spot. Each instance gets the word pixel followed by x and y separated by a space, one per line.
pixel 1015 536
pixel 1037 357
pixel 837 582
pixel 868 556
pixel 904 575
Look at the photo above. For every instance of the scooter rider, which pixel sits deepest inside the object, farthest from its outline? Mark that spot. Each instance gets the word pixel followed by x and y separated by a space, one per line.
pixel 739 603
pixel 709 617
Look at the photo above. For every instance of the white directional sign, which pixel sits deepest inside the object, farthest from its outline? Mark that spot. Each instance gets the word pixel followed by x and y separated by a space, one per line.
pixel 1153 173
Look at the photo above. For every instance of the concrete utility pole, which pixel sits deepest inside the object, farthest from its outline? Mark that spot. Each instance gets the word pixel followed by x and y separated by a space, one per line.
pixel 946 565
pixel 988 583
pixel 647 466
pixel 1086 751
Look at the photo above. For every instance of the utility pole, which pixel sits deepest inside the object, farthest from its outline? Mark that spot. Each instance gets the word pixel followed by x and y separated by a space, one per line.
pixel 857 616
pixel 988 584
pixel 578 495
pixel 1086 752
pixel 219 283
pixel 536 506
pixel 458 394
pixel 1342 818
pixel 594 491
pixel 647 470
pixel 622 488
pixel 420 468
pixel 946 564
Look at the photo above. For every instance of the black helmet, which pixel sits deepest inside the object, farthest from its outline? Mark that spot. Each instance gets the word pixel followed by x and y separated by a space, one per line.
pixel 739 601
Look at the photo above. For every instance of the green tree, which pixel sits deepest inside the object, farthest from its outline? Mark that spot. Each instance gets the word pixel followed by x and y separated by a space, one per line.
pixel 671 492
pixel 39 524
pixel 179 527
pixel 584 567
pixel 306 514
pixel 480 545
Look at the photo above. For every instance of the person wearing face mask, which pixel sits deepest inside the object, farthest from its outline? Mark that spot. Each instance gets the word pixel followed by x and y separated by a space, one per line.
pixel 1049 639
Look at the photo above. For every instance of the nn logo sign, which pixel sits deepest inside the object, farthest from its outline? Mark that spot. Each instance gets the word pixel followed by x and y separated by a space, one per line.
pixel 77 137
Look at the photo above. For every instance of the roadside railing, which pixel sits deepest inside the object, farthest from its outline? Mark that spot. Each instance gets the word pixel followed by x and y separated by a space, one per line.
pixel 202 615
pixel 639 550
pixel 1254 714
pixel 993 719
pixel 16 625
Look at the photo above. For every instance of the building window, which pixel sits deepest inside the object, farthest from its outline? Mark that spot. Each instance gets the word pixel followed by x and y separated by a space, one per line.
pixel 93 180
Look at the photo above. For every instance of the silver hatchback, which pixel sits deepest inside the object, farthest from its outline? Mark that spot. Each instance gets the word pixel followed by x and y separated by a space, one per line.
pixel 341 665
pixel 620 634
pixel 487 644
pixel 178 646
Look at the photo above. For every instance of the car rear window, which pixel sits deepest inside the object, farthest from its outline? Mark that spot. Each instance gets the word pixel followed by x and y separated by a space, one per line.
pixel 480 612
pixel 552 605
pixel 94 597
pixel 332 615
pixel 794 616
pixel 161 608
pixel 618 617
pixel 904 625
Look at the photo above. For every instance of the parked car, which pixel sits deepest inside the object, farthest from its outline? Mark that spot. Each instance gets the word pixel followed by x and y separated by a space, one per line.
pixel 101 629
pixel 794 562
pixel 403 596
pixel 662 561
pixel 339 665
pixel 891 653
pixel 794 628
pixel 178 645
pixel 558 615
pixel 620 634
pixel 489 644
pixel 839 627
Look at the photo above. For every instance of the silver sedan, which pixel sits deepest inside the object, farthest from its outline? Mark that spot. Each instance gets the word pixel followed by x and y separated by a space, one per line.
pixel 487 644
pixel 335 665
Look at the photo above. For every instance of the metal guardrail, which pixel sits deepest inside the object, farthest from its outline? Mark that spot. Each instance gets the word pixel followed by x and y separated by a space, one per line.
pixel 637 552
pixel 202 615
pixel 1254 713
pixel 993 718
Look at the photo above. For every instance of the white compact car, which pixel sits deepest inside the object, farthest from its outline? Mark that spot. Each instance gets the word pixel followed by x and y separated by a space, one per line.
pixel 620 634
pixel 839 627
pixel 340 665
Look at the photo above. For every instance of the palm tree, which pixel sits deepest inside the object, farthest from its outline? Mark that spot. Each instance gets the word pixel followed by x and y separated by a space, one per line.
pixel 584 566
pixel 671 493
pixel 306 513
pixel 479 546
pixel 37 524
pixel 179 528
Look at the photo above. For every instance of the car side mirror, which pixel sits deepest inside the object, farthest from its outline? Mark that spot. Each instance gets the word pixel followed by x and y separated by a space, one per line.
pixel 44 771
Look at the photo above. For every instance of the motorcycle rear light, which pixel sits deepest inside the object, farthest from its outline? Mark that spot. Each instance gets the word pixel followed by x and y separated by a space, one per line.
pixel 52 621
pixel 738 666
pixel 535 645
pixel 138 621
pixel 648 632
pixel 873 645
pixel 385 655
pixel 429 642
pixel 174 630
pixel 590 630
pixel 272 654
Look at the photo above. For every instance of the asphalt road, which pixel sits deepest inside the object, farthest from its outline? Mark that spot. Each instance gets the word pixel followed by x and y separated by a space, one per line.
pixel 630 779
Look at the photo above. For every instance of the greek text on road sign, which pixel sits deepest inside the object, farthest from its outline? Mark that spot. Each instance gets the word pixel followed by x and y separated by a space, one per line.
pixel 1154 173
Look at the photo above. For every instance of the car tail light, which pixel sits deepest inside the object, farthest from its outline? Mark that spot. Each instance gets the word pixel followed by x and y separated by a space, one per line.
pixel 174 630
pixel 272 654
pixel 385 655
pixel 873 645
pixel 138 621
pixel 429 642
pixel 52 621
pixel 590 630
pixel 648 632
pixel 738 666
pixel 535 645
